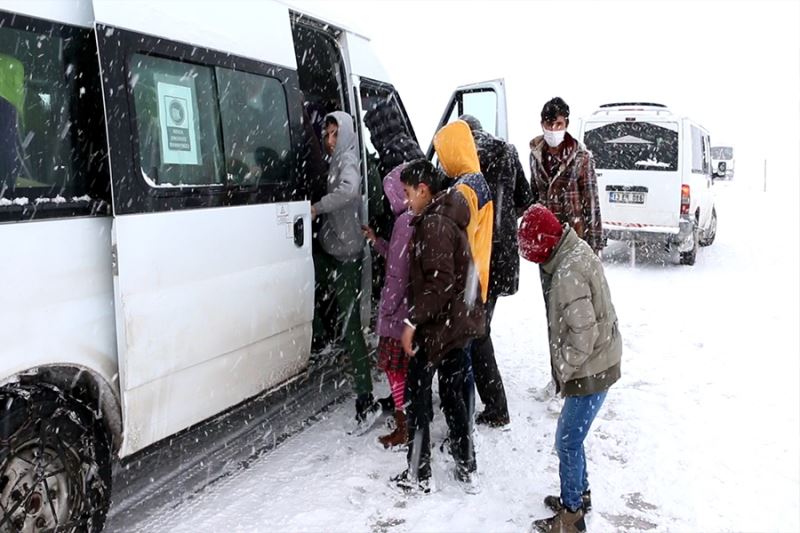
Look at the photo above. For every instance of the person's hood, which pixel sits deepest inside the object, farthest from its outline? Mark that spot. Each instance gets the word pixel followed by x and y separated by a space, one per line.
pixel 456 150
pixel 451 204
pixel 393 188
pixel 346 141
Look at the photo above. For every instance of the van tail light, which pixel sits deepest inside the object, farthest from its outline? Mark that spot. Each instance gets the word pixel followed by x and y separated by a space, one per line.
pixel 685 199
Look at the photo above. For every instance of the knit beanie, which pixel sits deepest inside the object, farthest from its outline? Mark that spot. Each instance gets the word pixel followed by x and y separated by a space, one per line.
pixel 539 234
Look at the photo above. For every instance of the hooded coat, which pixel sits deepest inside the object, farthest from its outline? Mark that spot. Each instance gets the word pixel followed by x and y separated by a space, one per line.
pixel 511 193
pixel 340 234
pixel 585 343
pixel 458 156
pixel 444 302
pixel 393 307
pixel 571 194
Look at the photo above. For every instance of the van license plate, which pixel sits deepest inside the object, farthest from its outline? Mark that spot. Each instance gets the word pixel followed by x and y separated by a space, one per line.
pixel 626 197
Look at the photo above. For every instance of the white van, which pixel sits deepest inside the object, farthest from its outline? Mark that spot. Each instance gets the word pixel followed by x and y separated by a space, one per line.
pixel 155 176
pixel 654 176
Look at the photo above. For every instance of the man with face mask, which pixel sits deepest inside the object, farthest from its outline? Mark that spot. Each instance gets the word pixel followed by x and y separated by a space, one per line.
pixel 563 178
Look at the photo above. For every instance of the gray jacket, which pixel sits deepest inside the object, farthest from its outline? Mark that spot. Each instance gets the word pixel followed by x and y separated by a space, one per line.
pixel 340 234
pixel 585 344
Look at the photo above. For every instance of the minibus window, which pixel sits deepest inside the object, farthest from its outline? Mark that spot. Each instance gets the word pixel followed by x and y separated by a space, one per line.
pixel 177 121
pixel 633 145
pixel 46 80
pixel 483 106
pixel 255 125
pixel 698 152
pixel 722 152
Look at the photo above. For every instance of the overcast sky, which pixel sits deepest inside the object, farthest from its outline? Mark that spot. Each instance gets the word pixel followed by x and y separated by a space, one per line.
pixel 732 66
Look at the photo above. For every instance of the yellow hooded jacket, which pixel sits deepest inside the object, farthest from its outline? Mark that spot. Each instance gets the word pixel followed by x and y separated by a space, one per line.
pixel 458 156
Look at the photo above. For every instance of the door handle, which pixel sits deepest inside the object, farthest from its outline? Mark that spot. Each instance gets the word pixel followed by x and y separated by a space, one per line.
pixel 299 232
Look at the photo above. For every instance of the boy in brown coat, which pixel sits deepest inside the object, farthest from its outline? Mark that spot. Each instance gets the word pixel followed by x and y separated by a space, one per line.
pixel 445 314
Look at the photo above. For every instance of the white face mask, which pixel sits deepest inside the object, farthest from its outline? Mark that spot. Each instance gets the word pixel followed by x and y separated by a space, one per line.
pixel 554 138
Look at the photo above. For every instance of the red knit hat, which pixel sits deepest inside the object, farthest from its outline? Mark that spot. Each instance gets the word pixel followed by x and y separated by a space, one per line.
pixel 539 234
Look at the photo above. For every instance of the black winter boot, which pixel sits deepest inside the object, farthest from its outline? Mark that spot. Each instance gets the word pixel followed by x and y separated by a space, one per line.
pixel 387 403
pixel 367 413
pixel 492 420
pixel 405 481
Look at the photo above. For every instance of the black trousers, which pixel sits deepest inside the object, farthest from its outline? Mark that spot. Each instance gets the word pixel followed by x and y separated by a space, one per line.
pixel 484 365
pixel 451 387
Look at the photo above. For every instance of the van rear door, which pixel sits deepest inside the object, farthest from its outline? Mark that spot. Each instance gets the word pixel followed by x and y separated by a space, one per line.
pixel 638 172
pixel 485 101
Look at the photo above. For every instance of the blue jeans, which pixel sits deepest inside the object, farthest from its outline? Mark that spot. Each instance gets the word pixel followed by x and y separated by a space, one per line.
pixel 574 422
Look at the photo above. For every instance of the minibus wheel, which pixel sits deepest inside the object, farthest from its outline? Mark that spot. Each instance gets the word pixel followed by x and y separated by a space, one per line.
pixel 55 462
pixel 711 233
pixel 689 258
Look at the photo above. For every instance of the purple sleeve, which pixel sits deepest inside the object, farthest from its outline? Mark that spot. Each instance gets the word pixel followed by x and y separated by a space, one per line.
pixel 397 269
pixel 381 246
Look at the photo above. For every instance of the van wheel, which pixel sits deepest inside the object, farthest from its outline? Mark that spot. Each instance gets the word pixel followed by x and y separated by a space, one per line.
pixel 55 462
pixel 688 258
pixel 711 233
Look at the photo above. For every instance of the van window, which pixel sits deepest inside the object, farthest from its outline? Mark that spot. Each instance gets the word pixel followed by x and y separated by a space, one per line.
pixel 201 126
pixel 177 121
pixel 706 153
pixel 255 125
pixel 480 103
pixel 698 152
pixel 483 106
pixel 52 140
pixel 633 145
pixel 722 152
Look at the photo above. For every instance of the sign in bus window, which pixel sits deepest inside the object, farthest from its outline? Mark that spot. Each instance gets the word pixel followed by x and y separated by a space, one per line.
pixel 176 105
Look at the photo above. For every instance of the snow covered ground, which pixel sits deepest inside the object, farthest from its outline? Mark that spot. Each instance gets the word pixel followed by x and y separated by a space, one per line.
pixel 701 434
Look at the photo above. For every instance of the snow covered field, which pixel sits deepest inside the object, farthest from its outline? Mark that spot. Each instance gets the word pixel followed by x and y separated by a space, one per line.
pixel 701 434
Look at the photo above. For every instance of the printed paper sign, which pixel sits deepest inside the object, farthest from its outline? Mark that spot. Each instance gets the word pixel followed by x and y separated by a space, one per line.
pixel 176 116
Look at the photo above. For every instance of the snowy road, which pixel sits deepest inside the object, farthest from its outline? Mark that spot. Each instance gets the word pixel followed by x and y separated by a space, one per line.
pixel 701 433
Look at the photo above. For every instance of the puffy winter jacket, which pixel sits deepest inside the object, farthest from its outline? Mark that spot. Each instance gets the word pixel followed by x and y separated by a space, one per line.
pixel 585 343
pixel 511 194
pixel 393 308
pixel 458 156
pixel 390 136
pixel 445 305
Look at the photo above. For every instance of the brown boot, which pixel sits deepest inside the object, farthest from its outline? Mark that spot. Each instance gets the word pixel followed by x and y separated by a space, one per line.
pixel 399 436
pixel 564 521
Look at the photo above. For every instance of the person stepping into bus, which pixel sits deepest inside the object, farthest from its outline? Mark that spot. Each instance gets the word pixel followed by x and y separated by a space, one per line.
pixel 338 266
pixel 393 307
